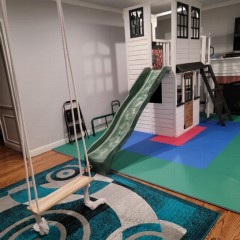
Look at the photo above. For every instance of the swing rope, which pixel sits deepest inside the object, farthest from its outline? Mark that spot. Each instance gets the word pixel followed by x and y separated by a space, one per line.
pixel 43 204
pixel 70 72
pixel 69 76
pixel 19 115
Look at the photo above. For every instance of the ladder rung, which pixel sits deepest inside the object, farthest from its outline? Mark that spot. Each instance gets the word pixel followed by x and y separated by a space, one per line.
pixel 225 115
pixel 216 89
pixel 219 102
pixel 53 198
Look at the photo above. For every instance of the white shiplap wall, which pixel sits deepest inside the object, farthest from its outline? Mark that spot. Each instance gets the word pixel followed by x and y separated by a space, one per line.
pixel 226 66
pixel 139 57
pixel 182 51
pixel 187 51
pixel 156 118
pixel 163 115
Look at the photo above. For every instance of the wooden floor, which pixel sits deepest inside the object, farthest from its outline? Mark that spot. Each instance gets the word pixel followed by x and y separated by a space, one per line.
pixel 12 170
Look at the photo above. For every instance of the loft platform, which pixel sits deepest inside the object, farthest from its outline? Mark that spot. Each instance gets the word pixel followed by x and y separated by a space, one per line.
pixel 186 67
pixel 50 200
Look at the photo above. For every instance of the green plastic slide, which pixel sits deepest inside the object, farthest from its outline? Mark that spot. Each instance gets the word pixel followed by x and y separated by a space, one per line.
pixel 100 154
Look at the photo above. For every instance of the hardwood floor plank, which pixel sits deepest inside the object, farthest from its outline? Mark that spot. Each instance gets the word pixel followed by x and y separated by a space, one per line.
pixel 12 164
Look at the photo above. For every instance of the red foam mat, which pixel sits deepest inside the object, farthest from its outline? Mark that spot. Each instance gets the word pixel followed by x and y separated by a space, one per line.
pixel 185 137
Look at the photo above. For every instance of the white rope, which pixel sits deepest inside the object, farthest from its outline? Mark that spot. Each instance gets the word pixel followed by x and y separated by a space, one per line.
pixel 19 115
pixel 20 118
pixel 69 67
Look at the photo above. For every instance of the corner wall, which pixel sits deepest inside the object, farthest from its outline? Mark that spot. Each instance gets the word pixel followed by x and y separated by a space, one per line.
pixel 97 50
pixel 220 23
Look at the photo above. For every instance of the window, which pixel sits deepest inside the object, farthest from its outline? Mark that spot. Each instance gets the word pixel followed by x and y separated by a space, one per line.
pixel 182 20
pixel 157 96
pixel 157 61
pixel 195 23
pixel 157 56
pixel 180 93
pixel 197 85
pixel 136 23
pixel 188 86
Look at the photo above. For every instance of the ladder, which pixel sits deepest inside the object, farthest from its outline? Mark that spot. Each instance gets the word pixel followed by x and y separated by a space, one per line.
pixel 216 94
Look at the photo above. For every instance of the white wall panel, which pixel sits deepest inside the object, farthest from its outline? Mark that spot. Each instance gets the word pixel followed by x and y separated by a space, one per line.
pixel 97 51
pixel 196 110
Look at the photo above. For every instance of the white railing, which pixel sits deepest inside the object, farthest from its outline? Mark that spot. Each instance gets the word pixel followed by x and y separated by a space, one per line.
pixel 205 49
pixel 166 44
pixel 206 59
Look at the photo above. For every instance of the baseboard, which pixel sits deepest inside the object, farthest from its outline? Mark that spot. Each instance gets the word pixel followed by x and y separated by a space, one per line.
pixel 49 147
pixel 16 147
pixel 46 148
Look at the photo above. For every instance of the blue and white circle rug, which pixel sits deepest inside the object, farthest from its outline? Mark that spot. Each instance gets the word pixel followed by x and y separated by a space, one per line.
pixel 132 211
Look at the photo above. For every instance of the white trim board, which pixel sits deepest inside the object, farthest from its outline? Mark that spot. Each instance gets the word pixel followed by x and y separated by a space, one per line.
pixel 117 10
pixel 46 148
pixel 222 4
pixel 92 5
pixel 36 151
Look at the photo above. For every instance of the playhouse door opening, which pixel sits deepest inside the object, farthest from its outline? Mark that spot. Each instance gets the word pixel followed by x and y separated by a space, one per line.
pixel 9 131
pixel 188 106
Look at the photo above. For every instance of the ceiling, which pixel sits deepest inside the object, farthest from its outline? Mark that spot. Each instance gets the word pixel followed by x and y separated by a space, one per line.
pixel 120 4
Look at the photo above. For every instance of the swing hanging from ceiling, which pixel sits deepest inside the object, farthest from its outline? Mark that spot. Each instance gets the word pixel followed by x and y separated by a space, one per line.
pixel 39 206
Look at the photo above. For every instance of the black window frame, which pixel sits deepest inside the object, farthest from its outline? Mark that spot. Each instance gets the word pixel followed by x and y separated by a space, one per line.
pixel 195 24
pixel 188 88
pixel 136 28
pixel 157 95
pixel 182 21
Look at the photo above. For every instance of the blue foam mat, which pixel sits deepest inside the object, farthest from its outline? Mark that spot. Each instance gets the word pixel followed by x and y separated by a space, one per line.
pixel 204 147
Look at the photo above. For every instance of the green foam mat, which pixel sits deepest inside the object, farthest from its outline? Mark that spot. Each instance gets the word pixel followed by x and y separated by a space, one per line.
pixel 70 148
pixel 217 184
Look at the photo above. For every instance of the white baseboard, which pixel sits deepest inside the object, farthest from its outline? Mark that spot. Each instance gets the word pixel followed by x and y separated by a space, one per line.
pixel 49 147
pixel 16 147
pixel 46 148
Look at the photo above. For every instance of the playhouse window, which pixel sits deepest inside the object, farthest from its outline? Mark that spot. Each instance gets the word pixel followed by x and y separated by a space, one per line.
pixel 180 89
pixel 157 96
pixel 136 22
pixel 195 23
pixel 157 62
pixel 157 56
pixel 197 86
pixel 182 20
pixel 188 86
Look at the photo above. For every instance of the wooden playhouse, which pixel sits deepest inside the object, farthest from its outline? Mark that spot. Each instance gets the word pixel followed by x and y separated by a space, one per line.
pixel 166 35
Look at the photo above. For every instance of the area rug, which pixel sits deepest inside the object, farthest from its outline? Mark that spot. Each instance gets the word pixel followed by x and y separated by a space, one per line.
pixel 132 211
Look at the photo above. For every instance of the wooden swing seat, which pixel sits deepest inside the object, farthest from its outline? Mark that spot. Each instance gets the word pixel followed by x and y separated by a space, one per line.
pixel 53 198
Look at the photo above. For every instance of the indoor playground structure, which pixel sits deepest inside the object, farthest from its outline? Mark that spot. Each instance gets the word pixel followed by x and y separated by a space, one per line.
pixel 172 107
pixel 100 154
pixel 165 68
